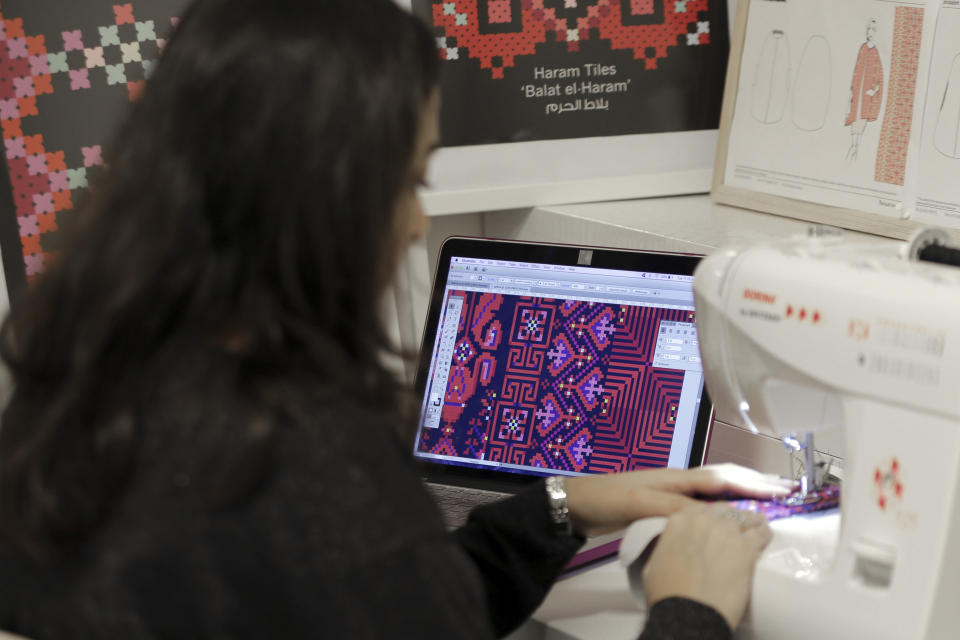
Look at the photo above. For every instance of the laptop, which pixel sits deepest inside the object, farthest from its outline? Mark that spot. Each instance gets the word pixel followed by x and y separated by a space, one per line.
pixel 541 359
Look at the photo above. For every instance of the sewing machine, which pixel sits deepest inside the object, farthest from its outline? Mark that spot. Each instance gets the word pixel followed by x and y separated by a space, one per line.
pixel 808 334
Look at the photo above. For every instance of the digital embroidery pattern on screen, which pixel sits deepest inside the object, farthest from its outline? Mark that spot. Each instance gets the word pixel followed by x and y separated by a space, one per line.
pixel 558 384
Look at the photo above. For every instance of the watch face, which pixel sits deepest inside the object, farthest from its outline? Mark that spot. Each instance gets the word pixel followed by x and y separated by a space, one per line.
pixel 556 487
pixel 557 495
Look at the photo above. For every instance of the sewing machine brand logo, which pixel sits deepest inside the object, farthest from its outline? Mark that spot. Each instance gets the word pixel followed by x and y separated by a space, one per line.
pixel 759 296
pixel 889 488
pixel 859 330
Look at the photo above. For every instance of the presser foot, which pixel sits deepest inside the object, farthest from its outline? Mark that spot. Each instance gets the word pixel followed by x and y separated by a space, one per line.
pixel 804 498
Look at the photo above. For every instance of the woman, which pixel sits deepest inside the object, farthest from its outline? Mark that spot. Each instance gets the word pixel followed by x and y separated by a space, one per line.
pixel 202 440
pixel 866 91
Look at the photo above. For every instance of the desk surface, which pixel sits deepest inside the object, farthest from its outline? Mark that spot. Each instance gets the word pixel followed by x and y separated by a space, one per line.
pixel 681 223
pixel 595 604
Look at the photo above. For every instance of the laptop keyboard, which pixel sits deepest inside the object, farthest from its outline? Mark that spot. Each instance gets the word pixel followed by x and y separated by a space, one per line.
pixel 456 503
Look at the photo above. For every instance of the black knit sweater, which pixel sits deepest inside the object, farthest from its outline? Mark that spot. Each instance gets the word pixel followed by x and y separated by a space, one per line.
pixel 338 538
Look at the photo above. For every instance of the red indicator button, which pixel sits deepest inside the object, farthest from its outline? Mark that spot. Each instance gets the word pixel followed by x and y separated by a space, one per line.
pixel 789 310
pixel 816 317
pixel 803 314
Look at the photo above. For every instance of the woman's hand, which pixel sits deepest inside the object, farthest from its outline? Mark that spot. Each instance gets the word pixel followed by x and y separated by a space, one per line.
pixel 707 553
pixel 604 503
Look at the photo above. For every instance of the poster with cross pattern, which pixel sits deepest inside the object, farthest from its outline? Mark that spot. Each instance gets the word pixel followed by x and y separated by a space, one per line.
pixel 531 70
pixel 68 70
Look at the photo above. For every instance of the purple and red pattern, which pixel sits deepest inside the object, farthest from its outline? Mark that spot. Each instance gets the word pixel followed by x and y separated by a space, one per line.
pixel 558 384
pixel 827 498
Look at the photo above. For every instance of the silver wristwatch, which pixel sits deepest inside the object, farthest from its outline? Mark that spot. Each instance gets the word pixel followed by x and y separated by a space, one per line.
pixel 557 502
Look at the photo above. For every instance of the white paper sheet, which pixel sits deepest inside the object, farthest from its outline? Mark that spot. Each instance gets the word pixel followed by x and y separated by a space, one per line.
pixel 939 170
pixel 807 124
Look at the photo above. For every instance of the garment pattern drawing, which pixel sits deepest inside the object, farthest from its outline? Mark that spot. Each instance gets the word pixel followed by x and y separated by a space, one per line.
pixel 771 81
pixel 946 137
pixel 866 91
pixel 811 91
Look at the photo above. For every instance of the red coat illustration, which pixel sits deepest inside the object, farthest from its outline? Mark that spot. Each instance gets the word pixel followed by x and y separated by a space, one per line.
pixel 868 74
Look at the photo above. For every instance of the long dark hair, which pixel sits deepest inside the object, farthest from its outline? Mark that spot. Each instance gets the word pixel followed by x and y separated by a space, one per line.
pixel 252 192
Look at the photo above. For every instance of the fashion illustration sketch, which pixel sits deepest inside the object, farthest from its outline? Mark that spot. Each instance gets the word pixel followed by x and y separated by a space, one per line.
pixel 811 91
pixel 771 81
pixel 866 91
pixel 946 137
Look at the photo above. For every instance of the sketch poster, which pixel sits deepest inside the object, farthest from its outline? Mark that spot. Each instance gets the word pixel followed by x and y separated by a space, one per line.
pixel 829 107
pixel 938 191
pixel 533 70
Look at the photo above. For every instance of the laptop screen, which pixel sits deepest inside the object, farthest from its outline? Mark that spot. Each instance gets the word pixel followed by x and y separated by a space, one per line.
pixel 540 369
